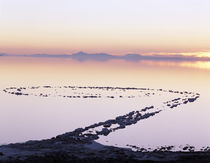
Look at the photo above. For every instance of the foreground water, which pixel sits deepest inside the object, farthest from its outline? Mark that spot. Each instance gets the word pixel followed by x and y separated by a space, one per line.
pixel 31 117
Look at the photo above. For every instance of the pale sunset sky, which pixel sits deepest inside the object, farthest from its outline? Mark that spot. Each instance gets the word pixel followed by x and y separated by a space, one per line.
pixel 110 26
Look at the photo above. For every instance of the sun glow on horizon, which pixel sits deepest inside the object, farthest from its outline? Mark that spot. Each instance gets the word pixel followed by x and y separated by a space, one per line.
pixel 115 27
pixel 200 65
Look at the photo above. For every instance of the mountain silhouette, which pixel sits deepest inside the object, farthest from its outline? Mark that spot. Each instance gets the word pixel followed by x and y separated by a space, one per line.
pixel 103 57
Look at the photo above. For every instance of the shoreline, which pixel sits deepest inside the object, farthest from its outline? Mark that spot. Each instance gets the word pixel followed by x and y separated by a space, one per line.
pixel 51 150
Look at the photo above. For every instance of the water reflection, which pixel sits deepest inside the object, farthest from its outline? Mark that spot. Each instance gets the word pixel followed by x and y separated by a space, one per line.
pixel 201 65
pixel 35 118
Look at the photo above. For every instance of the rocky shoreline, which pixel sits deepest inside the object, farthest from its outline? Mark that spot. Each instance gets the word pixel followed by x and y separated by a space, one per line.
pixel 75 150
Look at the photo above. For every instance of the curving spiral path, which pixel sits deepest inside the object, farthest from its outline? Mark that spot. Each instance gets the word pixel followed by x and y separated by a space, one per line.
pixel 92 132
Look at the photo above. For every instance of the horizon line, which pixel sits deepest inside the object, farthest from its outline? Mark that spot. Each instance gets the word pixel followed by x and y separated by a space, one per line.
pixel 82 56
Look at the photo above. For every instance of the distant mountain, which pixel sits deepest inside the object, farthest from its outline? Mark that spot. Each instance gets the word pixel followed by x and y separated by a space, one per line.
pixel 2 54
pixel 48 55
pixel 132 57
pixel 102 57
pixel 81 56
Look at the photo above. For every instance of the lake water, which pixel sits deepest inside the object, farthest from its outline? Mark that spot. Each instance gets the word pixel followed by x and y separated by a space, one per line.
pixel 32 117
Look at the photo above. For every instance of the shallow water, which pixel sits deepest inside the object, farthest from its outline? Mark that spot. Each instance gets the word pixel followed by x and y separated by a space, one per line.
pixel 33 117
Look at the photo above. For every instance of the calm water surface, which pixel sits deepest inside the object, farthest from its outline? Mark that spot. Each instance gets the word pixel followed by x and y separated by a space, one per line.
pixel 29 117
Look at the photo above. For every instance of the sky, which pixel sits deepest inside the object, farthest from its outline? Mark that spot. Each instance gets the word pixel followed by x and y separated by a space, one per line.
pixel 111 26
